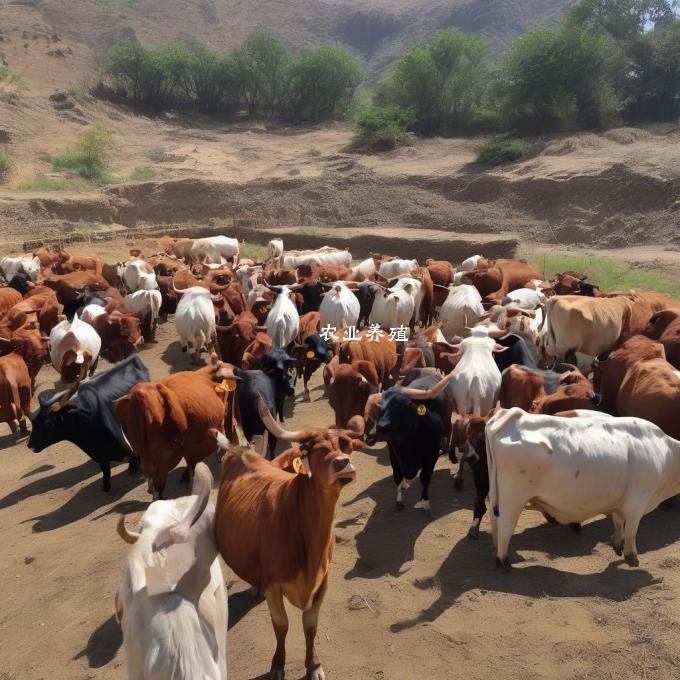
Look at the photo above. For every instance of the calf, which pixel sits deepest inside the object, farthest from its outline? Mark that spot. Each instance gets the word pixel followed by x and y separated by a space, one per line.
pixel 283 320
pixel 85 416
pixel 171 602
pixel 310 349
pixel 575 469
pixel 15 392
pixel 169 419
pixel 274 527
pixel 275 252
pixel 66 263
pixel 30 345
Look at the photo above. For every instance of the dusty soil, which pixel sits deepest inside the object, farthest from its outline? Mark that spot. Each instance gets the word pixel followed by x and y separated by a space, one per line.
pixel 410 595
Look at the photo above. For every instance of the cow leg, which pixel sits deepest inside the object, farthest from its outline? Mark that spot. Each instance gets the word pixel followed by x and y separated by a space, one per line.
pixel 397 476
pixel 277 611
pixel 12 425
pixel 630 528
pixel 506 523
pixel 93 367
pixel 401 487
pixel 133 463
pixel 617 538
pixel 480 474
pixel 425 479
pixel 105 466
pixel 310 620
pixel 458 477
pixel 22 425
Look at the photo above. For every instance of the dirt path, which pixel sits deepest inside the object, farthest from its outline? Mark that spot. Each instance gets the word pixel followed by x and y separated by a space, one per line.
pixel 410 596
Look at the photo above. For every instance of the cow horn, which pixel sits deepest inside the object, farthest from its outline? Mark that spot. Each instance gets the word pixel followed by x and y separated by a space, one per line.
pixel 413 393
pixel 65 397
pixel 274 427
pixel 201 489
pixel 127 535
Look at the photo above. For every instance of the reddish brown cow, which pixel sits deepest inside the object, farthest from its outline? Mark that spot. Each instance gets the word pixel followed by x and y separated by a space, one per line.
pixel 70 286
pixel 280 277
pixel 441 273
pixel 168 297
pixel 67 264
pixel 185 279
pixel 259 346
pixel 8 298
pixel 349 387
pixel 163 265
pixel 233 340
pixel 44 308
pixel 218 279
pixel 170 419
pixel 46 256
pixel 575 392
pixel 30 345
pixel 427 290
pixel 521 387
pixel 664 326
pixel 305 357
pixel 274 528
pixel 382 353
pixel 15 391
pixel 636 380
pixel 120 332
pixel 496 282
pixel 233 295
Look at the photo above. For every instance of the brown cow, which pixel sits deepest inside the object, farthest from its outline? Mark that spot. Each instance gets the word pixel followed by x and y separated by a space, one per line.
pixel 170 419
pixel 67 263
pixel 15 392
pixel 496 282
pixel 274 527
pixel 168 297
pixel 46 256
pixel 185 279
pixel 441 273
pixel 575 392
pixel 234 339
pixel 520 386
pixel 309 355
pixel 636 380
pixel 259 346
pixel 281 277
pixel 43 308
pixel 664 326
pixel 119 329
pixel 427 290
pixel 382 353
pixel 349 387
pixel 30 345
pixel 8 298
pixel 69 287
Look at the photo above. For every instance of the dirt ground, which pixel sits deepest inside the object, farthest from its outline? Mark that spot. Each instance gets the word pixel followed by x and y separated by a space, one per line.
pixel 410 595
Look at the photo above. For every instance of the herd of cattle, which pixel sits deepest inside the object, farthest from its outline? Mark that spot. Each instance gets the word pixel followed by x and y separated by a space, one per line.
pixel 479 362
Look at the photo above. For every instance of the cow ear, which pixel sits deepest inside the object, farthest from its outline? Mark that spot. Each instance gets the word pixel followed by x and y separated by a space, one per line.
pixel 293 461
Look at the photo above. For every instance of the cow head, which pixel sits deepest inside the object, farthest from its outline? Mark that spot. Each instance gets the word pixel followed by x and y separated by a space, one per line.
pixel 55 419
pixel 29 343
pixel 279 366
pixel 233 340
pixel 323 454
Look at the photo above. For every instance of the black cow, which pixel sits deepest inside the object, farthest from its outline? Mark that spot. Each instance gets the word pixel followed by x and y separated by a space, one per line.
pixel 21 283
pixel 86 417
pixel 366 297
pixel 309 356
pixel 273 383
pixel 311 294
pixel 414 429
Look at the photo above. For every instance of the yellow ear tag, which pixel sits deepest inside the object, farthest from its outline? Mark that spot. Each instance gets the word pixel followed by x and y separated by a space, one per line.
pixel 301 466
pixel 225 386
pixel 310 354
pixel 421 410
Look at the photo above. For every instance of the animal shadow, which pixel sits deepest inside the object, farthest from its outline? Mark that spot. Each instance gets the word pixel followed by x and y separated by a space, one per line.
pixel 103 644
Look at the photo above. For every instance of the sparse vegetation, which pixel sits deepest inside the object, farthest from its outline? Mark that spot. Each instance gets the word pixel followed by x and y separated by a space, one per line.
pixel 314 152
pixel 90 157
pixel 254 251
pixel 74 90
pixel 499 149
pixel 382 128
pixel 607 273
pixel 5 164
pixel 44 183
pixel 141 175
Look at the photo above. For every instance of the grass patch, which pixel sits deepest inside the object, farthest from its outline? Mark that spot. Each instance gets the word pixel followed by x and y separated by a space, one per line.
pixel 5 164
pixel 90 157
pixel 301 231
pixel 43 183
pixel 498 149
pixel 314 152
pixel 254 251
pixel 141 175
pixel 74 90
pixel 607 273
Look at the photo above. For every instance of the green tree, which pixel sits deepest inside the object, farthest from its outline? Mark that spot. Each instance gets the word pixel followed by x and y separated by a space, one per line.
pixel 127 64
pixel 323 81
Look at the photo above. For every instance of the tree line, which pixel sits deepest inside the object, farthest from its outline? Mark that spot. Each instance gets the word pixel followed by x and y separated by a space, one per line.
pixel 606 62
pixel 263 76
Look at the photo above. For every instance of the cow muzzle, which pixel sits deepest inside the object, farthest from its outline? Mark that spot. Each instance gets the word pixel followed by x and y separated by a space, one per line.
pixel 342 470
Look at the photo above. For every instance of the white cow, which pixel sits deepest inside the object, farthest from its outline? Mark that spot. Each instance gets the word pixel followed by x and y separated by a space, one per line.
pixel 171 602
pixel 470 264
pixel 11 266
pixel 392 307
pixel 576 468
pixel 247 277
pixel 366 268
pixel 340 307
pixel 146 304
pixel 392 268
pixel 283 320
pixel 195 320
pixel 324 255
pixel 275 252
pixel 138 275
pixel 216 248
pixel 461 310
pixel 525 298
pixel 415 288
pixel 75 344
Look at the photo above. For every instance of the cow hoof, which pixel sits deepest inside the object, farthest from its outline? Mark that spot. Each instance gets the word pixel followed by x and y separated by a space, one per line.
pixel 473 533
pixel 458 483
pixel 276 674
pixel 632 560
pixel 422 504
pixel 316 674
pixel 400 505
pixel 306 396
pixel 575 527
pixel 504 564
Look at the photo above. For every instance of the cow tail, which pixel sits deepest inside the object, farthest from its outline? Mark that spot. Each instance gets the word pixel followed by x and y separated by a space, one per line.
pixel 476 395
pixel 493 474
pixel 16 401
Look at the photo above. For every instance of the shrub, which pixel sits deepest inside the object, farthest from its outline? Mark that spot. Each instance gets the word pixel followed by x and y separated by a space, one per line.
pixel 5 164
pixel 74 90
pixel 141 175
pixel 384 127
pixel 91 155
pixel 498 149
pixel 314 152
